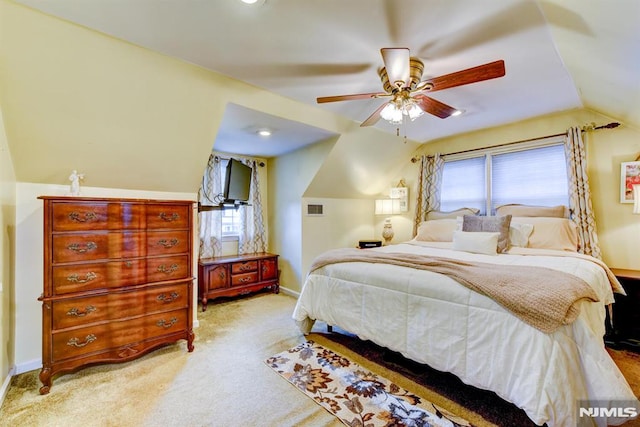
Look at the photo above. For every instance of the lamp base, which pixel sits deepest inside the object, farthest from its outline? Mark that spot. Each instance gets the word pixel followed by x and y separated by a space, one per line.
pixel 387 232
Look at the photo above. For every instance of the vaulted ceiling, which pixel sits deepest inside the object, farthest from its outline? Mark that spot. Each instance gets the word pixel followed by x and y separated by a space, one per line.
pixel 559 54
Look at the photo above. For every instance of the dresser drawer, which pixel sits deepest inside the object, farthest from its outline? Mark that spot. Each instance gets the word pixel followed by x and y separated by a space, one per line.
pixel 79 216
pixel 80 247
pixel 168 268
pixel 168 216
pixel 98 245
pixel 118 305
pixel 244 267
pixel 244 279
pixel 167 242
pixel 103 336
pixel 99 275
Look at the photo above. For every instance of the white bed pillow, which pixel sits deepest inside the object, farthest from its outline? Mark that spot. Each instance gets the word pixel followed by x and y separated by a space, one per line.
pixel 477 242
pixel 551 233
pixel 437 230
pixel 519 234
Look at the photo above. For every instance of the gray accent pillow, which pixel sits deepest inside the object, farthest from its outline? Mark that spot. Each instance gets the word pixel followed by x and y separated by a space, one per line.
pixel 499 224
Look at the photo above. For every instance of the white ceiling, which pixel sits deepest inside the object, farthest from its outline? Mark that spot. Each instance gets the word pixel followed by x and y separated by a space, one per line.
pixel 559 54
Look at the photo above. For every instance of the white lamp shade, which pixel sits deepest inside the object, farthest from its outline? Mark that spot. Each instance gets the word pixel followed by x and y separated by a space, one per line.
pixel 636 199
pixel 387 206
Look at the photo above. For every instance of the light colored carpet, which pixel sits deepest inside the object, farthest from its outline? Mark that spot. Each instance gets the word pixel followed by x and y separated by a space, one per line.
pixel 224 382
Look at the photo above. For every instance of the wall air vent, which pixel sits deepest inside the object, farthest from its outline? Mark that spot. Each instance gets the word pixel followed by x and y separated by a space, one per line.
pixel 315 210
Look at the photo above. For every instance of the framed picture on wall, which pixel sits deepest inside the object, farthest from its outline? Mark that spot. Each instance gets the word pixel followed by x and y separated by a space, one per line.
pixel 629 176
pixel 402 195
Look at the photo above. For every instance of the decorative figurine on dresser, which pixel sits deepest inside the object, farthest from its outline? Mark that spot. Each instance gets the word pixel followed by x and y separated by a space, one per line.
pixel 118 280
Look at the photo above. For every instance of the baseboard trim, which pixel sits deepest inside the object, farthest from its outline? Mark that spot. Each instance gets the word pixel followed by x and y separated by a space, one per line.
pixel 5 386
pixel 289 292
pixel 27 366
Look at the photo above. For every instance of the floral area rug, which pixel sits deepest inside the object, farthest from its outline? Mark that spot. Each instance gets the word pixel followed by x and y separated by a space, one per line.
pixel 356 396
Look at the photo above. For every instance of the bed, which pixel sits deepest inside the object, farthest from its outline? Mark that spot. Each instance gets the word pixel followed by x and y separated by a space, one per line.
pixel 548 367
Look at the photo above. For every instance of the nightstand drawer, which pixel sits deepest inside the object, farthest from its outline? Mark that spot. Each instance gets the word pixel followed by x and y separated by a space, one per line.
pixel 244 267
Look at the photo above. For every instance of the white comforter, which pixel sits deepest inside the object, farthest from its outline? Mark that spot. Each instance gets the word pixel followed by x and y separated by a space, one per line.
pixel 432 319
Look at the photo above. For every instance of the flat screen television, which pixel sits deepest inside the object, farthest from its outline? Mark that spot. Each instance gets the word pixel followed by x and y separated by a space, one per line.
pixel 237 182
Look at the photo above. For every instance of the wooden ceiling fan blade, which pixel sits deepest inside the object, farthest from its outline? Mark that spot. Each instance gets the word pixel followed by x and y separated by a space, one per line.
pixel 374 117
pixel 396 63
pixel 489 71
pixel 433 106
pixel 324 99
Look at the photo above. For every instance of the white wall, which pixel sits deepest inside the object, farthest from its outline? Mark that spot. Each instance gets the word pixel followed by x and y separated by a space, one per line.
pixel 29 261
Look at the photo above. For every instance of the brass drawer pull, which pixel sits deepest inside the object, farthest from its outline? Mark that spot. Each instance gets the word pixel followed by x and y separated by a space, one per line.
pixel 164 324
pixel 163 268
pixel 245 279
pixel 89 216
pixel 75 278
pixel 245 267
pixel 75 342
pixel 77 313
pixel 168 243
pixel 166 299
pixel 169 218
pixel 81 249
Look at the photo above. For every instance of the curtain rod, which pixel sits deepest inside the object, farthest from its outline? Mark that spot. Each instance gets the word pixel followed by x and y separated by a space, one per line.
pixel 585 128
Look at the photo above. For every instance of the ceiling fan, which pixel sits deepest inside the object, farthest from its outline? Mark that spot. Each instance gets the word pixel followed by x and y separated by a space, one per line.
pixel 402 81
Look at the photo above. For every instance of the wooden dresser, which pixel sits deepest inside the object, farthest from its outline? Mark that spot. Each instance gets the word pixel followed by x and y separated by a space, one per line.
pixel 236 275
pixel 117 280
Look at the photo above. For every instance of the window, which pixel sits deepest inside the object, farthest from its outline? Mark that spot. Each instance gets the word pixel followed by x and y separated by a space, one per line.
pixel 230 222
pixel 533 176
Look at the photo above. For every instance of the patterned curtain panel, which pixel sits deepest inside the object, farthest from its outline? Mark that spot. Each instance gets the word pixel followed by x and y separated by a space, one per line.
pixel 580 195
pixel 210 221
pixel 252 236
pixel 429 184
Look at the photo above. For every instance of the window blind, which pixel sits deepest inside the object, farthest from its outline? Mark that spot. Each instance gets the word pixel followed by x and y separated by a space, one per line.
pixel 532 176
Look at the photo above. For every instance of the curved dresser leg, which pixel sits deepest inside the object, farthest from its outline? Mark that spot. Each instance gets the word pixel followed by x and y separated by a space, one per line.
pixel 45 379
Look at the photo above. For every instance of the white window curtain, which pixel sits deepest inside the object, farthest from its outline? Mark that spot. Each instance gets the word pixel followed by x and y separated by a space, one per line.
pixel 579 193
pixel 211 221
pixel 429 183
pixel 252 237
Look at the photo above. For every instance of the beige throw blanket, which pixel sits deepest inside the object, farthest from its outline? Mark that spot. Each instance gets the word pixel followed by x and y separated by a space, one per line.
pixel 544 298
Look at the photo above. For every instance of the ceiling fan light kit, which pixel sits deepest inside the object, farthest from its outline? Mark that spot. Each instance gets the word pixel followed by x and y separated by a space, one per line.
pixel 401 79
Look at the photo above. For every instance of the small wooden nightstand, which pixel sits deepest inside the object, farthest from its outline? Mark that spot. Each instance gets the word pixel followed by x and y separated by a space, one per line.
pixel 626 311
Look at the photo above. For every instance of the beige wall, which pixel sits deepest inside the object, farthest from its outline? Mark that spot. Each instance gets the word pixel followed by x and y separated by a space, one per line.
pixel 618 228
pixel 7 247
pixel 289 177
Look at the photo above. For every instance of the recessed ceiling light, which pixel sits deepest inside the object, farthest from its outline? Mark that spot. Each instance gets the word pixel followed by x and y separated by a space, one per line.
pixel 256 2
pixel 264 132
pixel 456 113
